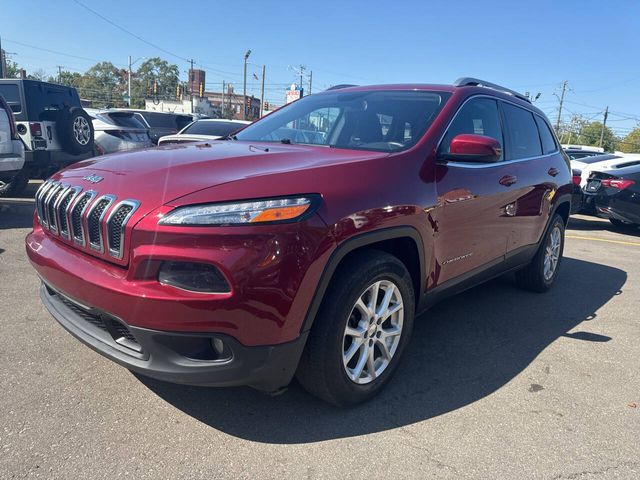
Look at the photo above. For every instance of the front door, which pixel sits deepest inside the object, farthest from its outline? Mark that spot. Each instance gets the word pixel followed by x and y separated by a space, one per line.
pixel 471 231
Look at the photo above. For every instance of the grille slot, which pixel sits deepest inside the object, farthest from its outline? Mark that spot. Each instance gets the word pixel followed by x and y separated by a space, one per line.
pixel 64 202
pixel 116 223
pixel 49 223
pixel 94 221
pixel 40 196
pixel 51 207
pixel 76 217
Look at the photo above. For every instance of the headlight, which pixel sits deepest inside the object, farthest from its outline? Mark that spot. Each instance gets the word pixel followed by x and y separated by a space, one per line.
pixel 238 213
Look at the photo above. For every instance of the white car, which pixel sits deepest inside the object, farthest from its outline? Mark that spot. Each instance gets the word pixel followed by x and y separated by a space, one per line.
pixel 205 129
pixel 11 148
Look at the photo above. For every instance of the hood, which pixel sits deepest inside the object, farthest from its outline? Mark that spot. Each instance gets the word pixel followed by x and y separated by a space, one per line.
pixel 159 175
pixel 185 137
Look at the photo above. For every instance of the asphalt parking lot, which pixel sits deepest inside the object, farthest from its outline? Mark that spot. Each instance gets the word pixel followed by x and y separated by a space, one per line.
pixel 497 383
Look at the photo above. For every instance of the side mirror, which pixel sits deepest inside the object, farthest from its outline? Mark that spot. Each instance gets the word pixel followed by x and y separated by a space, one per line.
pixel 468 147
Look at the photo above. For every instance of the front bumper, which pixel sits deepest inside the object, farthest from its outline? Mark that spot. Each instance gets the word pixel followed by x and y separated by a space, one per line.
pixel 185 358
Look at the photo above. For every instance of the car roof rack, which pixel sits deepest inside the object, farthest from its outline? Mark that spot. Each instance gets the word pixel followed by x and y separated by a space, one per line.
pixel 476 82
pixel 338 87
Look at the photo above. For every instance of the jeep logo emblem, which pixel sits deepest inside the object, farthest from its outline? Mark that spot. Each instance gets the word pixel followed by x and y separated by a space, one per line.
pixel 93 178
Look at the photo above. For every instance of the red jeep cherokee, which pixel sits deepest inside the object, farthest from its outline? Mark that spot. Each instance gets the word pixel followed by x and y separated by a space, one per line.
pixel 306 243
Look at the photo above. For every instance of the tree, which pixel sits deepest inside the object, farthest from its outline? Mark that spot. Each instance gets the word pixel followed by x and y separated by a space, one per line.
pixel 13 70
pixel 38 74
pixel 631 143
pixel 103 84
pixel 154 74
pixel 588 133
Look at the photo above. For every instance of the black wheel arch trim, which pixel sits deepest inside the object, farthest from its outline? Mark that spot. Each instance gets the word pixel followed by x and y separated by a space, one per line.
pixel 353 243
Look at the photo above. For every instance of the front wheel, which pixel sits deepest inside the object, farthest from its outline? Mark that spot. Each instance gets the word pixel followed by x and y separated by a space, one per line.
pixel 540 274
pixel 361 330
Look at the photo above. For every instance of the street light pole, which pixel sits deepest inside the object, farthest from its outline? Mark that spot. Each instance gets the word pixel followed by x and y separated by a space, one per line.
pixel 244 92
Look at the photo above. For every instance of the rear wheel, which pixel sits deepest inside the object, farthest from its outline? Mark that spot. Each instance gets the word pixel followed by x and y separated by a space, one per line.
pixel 540 274
pixel 16 186
pixel 361 330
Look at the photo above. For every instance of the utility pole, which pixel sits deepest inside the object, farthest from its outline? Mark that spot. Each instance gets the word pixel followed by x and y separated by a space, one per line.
pixel 564 88
pixel 129 84
pixel 262 94
pixel 310 79
pixel 1 60
pixel 302 67
pixel 191 84
pixel 222 104
pixel 604 123
pixel 59 73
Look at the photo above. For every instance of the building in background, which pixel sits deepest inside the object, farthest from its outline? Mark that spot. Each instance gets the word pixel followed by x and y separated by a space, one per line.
pixel 234 104
pixel 196 82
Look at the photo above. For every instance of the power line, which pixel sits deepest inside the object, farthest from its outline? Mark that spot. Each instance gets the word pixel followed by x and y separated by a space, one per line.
pixel 129 32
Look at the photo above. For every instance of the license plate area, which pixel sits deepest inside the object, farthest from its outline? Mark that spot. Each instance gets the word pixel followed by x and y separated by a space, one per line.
pixel 593 186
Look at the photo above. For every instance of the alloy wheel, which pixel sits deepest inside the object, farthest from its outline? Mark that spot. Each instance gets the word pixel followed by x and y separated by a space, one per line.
pixel 552 253
pixel 81 130
pixel 373 332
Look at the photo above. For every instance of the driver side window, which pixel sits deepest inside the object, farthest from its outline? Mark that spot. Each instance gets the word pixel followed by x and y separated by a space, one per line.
pixel 479 116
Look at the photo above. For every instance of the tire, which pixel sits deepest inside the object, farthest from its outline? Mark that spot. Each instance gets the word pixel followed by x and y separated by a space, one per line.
pixel 321 370
pixel 534 276
pixel 16 186
pixel 75 131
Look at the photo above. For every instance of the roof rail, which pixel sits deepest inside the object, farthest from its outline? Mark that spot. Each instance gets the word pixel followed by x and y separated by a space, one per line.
pixel 470 81
pixel 338 87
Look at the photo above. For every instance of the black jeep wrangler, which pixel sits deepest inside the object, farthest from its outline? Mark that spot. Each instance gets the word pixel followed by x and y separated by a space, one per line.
pixel 51 123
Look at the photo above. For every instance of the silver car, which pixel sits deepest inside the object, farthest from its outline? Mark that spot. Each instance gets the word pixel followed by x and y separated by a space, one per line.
pixel 117 131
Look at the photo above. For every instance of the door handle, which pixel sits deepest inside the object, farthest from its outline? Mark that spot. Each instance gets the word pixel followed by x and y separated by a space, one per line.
pixel 553 171
pixel 508 180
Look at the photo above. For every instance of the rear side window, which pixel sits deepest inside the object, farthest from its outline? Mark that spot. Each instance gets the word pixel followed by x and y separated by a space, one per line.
pixel 160 120
pixel 522 131
pixel 11 94
pixel 126 119
pixel 479 116
pixel 216 129
pixel 548 142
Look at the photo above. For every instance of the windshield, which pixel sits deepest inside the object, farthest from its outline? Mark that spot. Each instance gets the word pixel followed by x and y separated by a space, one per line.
pixel 384 121
pixel 215 129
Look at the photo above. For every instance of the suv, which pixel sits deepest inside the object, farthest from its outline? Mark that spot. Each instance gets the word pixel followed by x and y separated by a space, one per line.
pixel 254 259
pixel 52 125
pixel 11 148
pixel 161 123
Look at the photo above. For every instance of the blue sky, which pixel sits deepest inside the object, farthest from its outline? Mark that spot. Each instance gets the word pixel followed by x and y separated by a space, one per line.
pixel 528 46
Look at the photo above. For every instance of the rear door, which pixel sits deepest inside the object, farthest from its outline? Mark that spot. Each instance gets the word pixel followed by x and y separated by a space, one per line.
pixel 534 161
pixel 471 229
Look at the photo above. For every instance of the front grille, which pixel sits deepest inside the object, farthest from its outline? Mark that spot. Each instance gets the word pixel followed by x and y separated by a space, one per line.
pixel 80 217
pixel 117 330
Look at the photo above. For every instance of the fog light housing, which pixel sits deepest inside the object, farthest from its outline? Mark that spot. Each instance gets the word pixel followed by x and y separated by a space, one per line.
pixel 194 277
